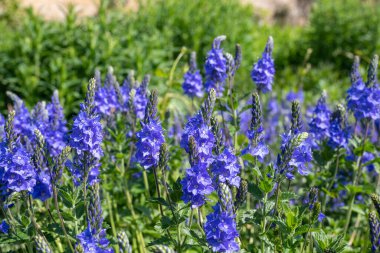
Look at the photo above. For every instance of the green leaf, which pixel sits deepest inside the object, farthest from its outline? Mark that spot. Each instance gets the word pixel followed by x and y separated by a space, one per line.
pixel 66 198
pixel 266 186
pixel 158 201
pixel 288 196
pixel 255 191
pixel 301 230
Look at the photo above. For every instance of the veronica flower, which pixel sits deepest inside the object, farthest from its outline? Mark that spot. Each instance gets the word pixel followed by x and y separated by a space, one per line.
pixel 263 71
pixel 220 230
pixel 363 99
pixel 198 127
pixel 22 122
pixel 86 138
pixel 150 137
pixel 16 171
pixel 141 99
pixel 216 67
pixel 55 133
pixel 226 168
pixel 196 185
pixel 338 133
pixel 93 239
pixel 4 227
pixel 192 84
pixel 293 96
pixel 295 150
pixel 320 122
pixel 256 147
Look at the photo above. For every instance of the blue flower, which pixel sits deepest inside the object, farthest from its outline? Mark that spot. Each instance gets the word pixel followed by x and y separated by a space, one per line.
pixel 87 134
pixel 320 122
pixel 42 190
pixel 220 230
pixel 205 141
pixel 81 163
pixel 23 125
pixel 56 130
pixel 226 168
pixel 192 84
pixel 338 133
pixel 4 227
pixel 196 185
pixel 216 67
pixel 106 101
pixel 256 147
pixel 263 71
pixel 141 99
pixel 190 127
pixel 363 98
pixel 293 96
pixel 321 217
pixel 92 243
pixel 149 140
pixel 295 154
pixel 16 171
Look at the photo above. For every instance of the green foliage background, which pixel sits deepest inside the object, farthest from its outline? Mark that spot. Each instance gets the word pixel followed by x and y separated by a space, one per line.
pixel 37 57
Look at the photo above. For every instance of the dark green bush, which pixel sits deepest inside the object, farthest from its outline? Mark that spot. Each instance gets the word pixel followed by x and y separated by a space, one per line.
pixel 340 29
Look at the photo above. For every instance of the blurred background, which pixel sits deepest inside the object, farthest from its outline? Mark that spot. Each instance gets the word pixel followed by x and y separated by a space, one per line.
pixel 58 44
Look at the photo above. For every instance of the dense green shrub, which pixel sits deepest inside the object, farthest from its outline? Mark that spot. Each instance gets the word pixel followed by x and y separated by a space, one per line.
pixel 340 29
pixel 37 56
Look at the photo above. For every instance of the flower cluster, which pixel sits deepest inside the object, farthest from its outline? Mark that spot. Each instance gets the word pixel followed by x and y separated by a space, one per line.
pixel 226 168
pixel 263 71
pixel 256 147
pixel 87 134
pixel 192 83
pixel 338 133
pixel 216 67
pixel 149 140
pixel 363 99
pixel 86 138
pixel 56 130
pixel 150 137
pixel 220 230
pixel 23 125
pixel 196 185
pixel 16 171
pixel 320 122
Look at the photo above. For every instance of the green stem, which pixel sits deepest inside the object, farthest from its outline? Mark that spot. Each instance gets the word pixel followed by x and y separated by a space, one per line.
pixel 356 179
pixel 332 181
pixel 277 197
pixel 146 184
pixel 62 223
pixel 158 189
pixel 264 224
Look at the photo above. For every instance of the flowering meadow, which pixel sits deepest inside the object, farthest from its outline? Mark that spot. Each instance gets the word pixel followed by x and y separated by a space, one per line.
pixel 254 171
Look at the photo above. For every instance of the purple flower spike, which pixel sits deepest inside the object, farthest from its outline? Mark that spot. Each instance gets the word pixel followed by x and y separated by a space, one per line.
pixel 263 71
pixel 192 84
pixel 220 230
pixel 216 67
pixel 149 140
pixel 226 168
pixel 196 185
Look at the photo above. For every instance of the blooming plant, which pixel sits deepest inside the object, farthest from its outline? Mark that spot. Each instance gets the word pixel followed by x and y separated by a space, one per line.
pixel 133 173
